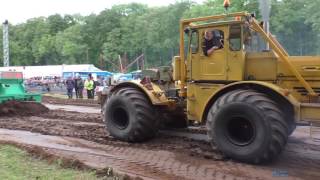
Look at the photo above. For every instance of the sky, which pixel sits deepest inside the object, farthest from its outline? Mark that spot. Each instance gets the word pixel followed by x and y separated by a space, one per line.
pixel 18 11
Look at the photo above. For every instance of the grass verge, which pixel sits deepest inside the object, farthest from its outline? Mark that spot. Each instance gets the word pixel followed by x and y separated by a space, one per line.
pixel 17 164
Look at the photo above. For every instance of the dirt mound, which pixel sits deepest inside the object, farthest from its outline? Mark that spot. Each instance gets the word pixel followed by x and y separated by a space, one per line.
pixel 13 108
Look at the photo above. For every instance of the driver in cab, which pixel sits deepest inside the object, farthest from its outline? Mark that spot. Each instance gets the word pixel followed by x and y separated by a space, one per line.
pixel 211 43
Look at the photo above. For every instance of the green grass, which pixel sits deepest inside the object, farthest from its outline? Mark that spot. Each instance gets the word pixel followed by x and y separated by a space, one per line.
pixel 16 164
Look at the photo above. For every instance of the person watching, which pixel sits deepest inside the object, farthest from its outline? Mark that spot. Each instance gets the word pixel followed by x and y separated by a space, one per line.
pixel 211 43
pixel 89 86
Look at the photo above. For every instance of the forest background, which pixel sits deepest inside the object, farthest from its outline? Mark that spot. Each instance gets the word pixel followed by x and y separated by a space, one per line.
pixel 130 30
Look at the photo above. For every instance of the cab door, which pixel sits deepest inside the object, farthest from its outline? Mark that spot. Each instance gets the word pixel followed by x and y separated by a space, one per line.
pixel 236 56
pixel 213 66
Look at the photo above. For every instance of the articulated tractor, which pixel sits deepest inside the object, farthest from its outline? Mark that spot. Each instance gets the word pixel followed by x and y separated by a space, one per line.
pixel 249 98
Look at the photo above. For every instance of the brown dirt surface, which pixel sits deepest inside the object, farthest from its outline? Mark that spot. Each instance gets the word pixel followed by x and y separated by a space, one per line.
pixel 79 102
pixel 167 156
pixel 73 116
pixel 12 108
pixel 90 127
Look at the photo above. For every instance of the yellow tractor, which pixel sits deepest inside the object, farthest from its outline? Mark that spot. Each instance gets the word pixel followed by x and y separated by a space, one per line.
pixel 250 98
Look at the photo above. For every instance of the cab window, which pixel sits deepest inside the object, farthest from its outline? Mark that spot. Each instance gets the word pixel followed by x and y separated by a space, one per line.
pixel 186 44
pixel 194 43
pixel 235 38
pixel 253 41
pixel 212 38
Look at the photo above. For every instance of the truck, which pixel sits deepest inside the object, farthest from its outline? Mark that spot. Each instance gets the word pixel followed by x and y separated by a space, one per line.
pixel 249 98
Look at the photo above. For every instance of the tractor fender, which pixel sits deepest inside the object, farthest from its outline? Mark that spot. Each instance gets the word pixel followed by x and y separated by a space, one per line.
pixel 154 94
pixel 281 95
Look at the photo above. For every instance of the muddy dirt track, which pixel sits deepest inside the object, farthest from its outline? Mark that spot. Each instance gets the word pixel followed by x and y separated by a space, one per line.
pixel 83 137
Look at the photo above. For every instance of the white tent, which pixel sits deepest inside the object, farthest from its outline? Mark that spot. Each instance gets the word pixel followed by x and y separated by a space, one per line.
pixel 50 70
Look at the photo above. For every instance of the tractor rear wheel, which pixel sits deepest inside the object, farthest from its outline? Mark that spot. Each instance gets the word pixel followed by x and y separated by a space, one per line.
pixel 247 126
pixel 129 116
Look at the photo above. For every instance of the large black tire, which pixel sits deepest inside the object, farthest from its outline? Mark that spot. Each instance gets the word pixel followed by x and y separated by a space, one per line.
pixel 129 116
pixel 247 126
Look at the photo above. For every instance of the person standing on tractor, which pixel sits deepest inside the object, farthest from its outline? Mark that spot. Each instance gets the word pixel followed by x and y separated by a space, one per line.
pixel 89 86
pixel 70 86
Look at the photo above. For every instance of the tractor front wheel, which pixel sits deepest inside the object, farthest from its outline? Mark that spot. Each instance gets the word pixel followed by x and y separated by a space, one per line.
pixel 129 116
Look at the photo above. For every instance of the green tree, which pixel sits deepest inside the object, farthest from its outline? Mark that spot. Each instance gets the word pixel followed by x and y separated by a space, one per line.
pixel 71 45
pixel 290 24
pixel 131 29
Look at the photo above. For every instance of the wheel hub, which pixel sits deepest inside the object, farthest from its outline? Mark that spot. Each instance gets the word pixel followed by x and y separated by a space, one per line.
pixel 120 118
pixel 240 131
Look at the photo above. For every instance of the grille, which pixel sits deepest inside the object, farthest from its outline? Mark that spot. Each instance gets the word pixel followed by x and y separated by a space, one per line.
pixel 304 92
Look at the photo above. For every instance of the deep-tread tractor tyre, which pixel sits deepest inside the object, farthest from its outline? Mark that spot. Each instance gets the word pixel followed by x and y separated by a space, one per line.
pixel 247 126
pixel 129 116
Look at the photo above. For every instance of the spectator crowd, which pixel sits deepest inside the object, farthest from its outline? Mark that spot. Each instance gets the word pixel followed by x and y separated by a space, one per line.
pixel 72 85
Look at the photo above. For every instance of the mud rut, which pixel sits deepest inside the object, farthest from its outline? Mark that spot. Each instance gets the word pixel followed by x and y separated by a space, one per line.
pixel 168 156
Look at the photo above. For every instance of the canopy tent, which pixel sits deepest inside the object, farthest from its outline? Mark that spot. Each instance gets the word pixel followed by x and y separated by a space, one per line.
pixel 51 70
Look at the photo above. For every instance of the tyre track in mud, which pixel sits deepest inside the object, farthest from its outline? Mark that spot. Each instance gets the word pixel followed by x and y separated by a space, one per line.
pixel 168 156
pixel 90 127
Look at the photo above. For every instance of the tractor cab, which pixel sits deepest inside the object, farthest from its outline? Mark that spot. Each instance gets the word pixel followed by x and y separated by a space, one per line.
pixel 221 64
pixel 228 62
